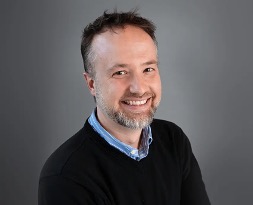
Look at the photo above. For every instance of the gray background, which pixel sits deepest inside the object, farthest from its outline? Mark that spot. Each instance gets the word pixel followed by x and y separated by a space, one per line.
pixel 206 63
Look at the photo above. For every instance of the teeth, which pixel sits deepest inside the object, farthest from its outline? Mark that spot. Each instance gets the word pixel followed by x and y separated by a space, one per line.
pixel 130 102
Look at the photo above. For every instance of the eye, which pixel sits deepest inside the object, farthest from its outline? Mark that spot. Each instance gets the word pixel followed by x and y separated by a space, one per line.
pixel 149 70
pixel 120 73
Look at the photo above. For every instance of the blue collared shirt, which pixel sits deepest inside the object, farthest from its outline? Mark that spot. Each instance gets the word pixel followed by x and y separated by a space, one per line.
pixel 136 154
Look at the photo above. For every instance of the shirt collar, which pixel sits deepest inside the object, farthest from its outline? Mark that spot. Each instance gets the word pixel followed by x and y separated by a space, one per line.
pixel 136 154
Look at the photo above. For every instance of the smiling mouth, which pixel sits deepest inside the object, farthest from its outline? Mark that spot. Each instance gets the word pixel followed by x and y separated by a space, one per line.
pixel 135 102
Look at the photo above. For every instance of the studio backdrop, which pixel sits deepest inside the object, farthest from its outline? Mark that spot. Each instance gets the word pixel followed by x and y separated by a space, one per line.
pixel 206 66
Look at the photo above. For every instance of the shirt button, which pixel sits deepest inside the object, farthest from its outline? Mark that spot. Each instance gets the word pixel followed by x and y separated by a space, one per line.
pixel 133 152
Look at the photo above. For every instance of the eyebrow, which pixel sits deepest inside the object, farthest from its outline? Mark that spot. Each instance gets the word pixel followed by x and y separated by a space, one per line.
pixel 150 63
pixel 118 65
pixel 122 65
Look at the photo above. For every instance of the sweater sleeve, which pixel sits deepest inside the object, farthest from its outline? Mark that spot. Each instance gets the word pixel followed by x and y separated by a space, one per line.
pixel 56 190
pixel 193 190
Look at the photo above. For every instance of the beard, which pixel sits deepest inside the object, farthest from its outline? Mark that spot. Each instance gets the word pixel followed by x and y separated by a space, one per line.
pixel 130 120
pixel 127 119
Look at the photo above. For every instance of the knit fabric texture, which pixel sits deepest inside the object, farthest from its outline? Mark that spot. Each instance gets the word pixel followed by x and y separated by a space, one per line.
pixel 86 170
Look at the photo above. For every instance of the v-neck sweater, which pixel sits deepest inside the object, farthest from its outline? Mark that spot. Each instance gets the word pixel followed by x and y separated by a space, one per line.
pixel 86 170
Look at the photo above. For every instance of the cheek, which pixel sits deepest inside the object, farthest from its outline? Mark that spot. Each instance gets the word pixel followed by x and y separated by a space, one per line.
pixel 157 90
pixel 116 86
pixel 157 85
pixel 109 90
pixel 112 89
pixel 160 87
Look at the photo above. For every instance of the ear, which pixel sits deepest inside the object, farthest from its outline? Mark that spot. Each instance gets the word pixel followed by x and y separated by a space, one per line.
pixel 90 83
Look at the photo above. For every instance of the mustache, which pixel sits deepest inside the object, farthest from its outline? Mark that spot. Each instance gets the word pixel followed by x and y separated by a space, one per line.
pixel 137 95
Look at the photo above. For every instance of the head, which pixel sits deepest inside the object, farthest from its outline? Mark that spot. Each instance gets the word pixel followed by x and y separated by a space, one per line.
pixel 119 51
pixel 106 22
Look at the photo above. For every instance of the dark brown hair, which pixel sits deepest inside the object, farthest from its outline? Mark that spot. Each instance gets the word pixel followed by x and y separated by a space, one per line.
pixel 110 21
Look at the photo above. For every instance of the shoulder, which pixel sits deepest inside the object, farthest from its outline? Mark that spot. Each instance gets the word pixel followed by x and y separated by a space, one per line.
pixel 162 123
pixel 67 152
pixel 169 134
pixel 57 160
pixel 163 126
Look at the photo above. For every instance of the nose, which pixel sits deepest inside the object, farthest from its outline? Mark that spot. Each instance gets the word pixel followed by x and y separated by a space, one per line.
pixel 138 85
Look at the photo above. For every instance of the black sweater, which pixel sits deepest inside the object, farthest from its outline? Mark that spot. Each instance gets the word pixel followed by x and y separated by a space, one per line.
pixel 86 170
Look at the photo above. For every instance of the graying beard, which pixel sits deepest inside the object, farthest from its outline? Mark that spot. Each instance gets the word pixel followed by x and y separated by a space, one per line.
pixel 121 118
pixel 135 124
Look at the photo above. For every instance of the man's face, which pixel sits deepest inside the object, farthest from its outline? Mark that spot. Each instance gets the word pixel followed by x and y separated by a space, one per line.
pixel 127 84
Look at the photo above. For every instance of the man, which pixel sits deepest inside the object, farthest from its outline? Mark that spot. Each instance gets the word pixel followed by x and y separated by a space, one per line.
pixel 122 156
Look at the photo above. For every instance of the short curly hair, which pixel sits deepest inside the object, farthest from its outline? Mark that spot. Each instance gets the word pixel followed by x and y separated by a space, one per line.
pixel 110 21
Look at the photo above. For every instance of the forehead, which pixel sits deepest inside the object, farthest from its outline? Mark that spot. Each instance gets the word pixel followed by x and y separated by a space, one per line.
pixel 122 38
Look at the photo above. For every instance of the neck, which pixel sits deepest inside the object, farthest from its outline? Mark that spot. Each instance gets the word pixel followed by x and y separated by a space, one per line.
pixel 126 135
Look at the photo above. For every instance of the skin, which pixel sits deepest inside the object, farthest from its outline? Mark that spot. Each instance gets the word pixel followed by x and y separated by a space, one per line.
pixel 127 78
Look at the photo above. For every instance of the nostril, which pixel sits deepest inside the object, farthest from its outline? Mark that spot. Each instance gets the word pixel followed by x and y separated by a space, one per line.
pixel 137 86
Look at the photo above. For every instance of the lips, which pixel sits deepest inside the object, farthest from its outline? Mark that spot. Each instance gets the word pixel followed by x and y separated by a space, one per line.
pixel 136 102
